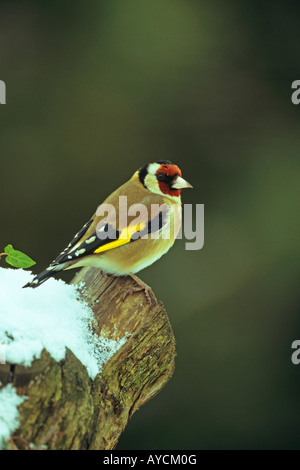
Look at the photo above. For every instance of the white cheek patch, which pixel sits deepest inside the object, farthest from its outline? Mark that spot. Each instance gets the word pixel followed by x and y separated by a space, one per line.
pixel 153 167
pixel 152 184
pixel 151 180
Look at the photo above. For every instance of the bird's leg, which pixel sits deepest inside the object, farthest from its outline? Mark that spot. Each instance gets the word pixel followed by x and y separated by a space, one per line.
pixel 141 286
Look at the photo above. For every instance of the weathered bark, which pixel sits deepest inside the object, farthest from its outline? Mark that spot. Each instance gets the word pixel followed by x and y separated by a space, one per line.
pixel 64 408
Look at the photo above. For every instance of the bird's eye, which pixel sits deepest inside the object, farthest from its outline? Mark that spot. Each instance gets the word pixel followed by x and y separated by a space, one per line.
pixel 161 176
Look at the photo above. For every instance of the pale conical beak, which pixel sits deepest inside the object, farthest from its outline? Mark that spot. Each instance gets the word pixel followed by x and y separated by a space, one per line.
pixel 180 183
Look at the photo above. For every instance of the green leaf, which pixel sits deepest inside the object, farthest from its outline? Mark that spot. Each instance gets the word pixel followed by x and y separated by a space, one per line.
pixel 17 258
pixel 9 249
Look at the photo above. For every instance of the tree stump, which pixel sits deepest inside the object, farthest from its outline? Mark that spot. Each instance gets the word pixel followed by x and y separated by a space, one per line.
pixel 64 408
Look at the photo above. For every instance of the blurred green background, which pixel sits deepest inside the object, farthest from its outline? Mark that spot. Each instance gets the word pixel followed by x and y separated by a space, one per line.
pixel 96 90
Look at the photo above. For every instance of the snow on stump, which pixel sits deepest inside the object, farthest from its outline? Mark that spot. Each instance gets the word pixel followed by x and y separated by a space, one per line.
pixel 76 361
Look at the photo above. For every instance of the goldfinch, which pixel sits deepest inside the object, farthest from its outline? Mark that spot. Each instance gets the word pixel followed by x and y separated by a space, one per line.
pixel 118 241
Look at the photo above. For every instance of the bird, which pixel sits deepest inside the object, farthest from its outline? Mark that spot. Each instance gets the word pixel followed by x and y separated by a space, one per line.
pixel 121 243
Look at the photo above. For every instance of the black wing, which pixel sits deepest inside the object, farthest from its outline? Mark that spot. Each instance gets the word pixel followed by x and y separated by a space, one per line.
pixel 107 237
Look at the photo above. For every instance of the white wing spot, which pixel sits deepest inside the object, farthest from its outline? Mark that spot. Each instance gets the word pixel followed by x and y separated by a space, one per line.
pixel 79 252
pixel 90 240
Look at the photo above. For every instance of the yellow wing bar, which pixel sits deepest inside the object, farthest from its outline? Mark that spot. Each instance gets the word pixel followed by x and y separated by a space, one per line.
pixel 124 237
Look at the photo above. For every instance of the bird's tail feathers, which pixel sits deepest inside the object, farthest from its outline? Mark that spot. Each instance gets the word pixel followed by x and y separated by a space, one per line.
pixel 51 271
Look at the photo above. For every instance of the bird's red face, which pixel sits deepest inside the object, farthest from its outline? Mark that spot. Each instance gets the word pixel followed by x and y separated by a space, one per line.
pixel 163 177
pixel 166 176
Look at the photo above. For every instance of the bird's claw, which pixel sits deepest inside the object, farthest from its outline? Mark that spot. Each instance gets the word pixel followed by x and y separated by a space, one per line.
pixel 141 287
